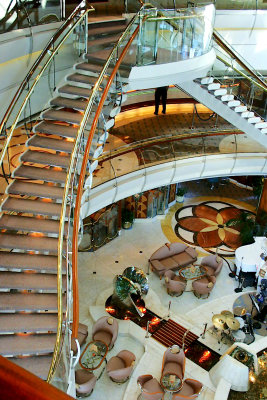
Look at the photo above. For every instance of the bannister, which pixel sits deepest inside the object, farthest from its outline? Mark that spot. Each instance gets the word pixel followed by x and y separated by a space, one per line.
pixel 233 54
pixel 17 383
pixel 81 183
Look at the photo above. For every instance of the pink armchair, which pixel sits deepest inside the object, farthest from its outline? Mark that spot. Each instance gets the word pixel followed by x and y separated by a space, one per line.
pixel 150 388
pixel 213 264
pixel 106 330
pixel 82 335
pixel 85 382
pixel 174 283
pixel 173 363
pixel 190 390
pixel 120 367
pixel 203 286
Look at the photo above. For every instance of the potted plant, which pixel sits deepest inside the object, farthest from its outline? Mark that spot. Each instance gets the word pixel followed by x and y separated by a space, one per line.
pixel 127 217
pixel 246 226
pixel 180 194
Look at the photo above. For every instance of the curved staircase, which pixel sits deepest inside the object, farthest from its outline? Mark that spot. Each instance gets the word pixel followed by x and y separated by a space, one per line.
pixel 30 215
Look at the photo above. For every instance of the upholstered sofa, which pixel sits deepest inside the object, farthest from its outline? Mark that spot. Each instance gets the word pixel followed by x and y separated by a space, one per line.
pixel 171 256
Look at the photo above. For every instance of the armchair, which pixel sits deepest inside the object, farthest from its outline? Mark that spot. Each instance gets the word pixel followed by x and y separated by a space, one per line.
pixel 85 382
pixel 106 330
pixel 82 335
pixel 150 388
pixel 173 362
pixel 213 264
pixel 190 390
pixel 175 284
pixel 203 286
pixel 120 367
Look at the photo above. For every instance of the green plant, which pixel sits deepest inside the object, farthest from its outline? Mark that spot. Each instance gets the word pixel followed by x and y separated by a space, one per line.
pixel 257 185
pixel 127 216
pixel 245 224
pixel 181 191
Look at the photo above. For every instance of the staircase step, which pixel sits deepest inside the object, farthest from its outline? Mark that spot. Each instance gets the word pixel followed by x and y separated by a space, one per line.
pixel 29 243
pixel 49 143
pixel 16 345
pixel 247 114
pixel 76 104
pixel 29 224
pixel 260 125
pixel 220 92
pixel 18 281
pixel 109 40
pixel 45 158
pixel 227 97
pixel 27 323
pixel 65 116
pixel 105 30
pixel 206 81
pixel 38 366
pixel 75 91
pixel 28 302
pixel 35 207
pixel 66 131
pixel 99 58
pixel 41 174
pixel 264 130
pixel 233 103
pixel 254 120
pixel 97 68
pixel 35 189
pixel 29 262
pixel 81 78
pixel 214 86
pixel 240 109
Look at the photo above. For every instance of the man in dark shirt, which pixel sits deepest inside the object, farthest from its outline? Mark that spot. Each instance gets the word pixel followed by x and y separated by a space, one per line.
pixel 161 93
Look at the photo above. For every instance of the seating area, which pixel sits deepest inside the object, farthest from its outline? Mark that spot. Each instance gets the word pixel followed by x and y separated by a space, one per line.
pixel 118 368
pixel 172 379
pixel 177 262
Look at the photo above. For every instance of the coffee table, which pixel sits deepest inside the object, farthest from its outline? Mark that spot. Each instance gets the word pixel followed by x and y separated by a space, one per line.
pixel 93 355
pixel 171 382
pixel 192 272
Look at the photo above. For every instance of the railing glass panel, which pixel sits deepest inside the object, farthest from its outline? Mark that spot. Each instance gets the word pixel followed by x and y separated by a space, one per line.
pixel 174 35
pixel 27 13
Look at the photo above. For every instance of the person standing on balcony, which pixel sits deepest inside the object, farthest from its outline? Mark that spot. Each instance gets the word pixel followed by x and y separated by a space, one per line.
pixel 161 93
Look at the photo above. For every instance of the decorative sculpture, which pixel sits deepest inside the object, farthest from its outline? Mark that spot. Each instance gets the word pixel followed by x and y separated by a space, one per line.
pixel 132 281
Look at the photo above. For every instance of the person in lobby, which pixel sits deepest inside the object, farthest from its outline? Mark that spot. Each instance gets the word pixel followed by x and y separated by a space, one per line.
pixel 161 94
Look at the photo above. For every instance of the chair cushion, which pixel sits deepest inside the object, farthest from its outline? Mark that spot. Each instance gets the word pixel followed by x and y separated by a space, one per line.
pixel 152 386
pixel 115 363
pixel 172 368
pixel 157 265
pixel 210 270
pixel 191 251
pixel 168 262
pixel 186 390
pixel 83 376
pixel 182 259
pixel 104 336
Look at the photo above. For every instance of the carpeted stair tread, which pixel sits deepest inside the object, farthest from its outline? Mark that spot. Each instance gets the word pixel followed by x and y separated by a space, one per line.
pixel 65 116
pixel 35 189
pixel 172 333
pixel 30 224
pixel 98 58
pixel 97 68
pixel 49 143
pixel 51 128
pixel 105 29
pixel 75 91
pixel 69 103
pixel 15 345
pixel 81 78
pixel 30 243
pixel 105 40
pixel 42 174
pixel 30 302
pixel 36 365
pixel 38 207
pixel 45 158
pixel 33 282
pixel 29 262
pixel 28 323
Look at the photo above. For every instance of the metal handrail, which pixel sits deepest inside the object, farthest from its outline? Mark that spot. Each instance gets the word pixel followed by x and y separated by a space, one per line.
pixel 48 49
pixel 233 54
